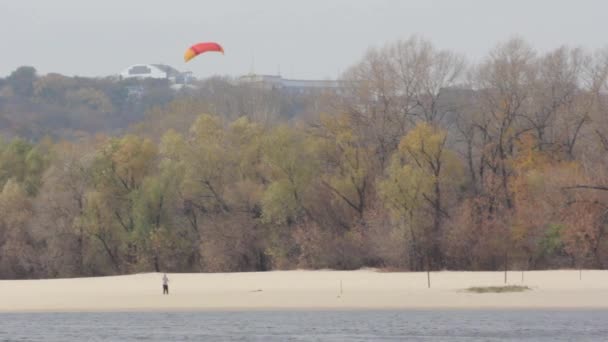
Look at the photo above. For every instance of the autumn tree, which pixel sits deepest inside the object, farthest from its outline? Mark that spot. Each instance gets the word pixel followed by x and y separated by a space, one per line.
pixel 60 207
pixel 423 178
pixel 394 86
pixel 119 170
pixel 22 81
pixel 18 256
pixel 347 163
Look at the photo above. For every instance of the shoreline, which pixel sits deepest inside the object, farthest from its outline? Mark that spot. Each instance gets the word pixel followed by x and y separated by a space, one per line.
pixel 298 309
pixel 306 291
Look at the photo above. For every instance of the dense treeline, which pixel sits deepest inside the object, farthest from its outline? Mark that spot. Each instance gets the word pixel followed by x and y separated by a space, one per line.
pixel 61 107
pixel 420 161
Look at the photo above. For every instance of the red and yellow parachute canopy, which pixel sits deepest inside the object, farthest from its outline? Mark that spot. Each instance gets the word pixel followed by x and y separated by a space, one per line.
pixel 199 48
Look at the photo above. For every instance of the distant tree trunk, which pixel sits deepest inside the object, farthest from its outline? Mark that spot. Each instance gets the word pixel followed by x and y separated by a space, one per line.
pixel 80 239
pixel 196 252
pixel 471 166
pixel 80 243
pixel 156 263
pixel 415 258
pixel 506 259
pixel 108 250
pixel 428 272
pixel 437 253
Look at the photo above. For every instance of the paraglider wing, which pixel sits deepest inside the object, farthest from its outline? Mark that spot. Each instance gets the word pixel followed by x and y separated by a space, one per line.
pixel 199 48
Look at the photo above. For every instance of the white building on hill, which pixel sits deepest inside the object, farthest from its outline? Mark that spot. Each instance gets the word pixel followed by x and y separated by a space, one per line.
pixel 156 71
pixel 290 86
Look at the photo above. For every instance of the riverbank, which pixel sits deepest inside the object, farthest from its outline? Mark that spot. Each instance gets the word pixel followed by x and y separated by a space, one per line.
pixel 307 290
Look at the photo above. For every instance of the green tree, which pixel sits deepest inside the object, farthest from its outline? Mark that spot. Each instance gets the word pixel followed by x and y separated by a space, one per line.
pixel 25 163
pixel 347 162
pixel 17 248
pixel 423 178
pixel 22 81
pixel 119 169
pixel 288 155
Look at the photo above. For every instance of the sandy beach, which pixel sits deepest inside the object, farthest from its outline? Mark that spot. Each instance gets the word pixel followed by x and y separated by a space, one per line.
pixel 304 290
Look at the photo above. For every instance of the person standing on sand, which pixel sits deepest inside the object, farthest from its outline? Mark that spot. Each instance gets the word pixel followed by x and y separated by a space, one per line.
pixel 165 284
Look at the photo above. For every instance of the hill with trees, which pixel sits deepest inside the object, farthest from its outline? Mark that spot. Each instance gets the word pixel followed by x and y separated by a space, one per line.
pixel 420 161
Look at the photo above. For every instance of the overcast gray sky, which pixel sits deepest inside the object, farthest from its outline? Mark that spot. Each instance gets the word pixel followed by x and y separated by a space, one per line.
pixel 304 38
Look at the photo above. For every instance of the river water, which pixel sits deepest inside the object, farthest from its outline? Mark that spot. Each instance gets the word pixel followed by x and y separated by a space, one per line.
pixel 413 325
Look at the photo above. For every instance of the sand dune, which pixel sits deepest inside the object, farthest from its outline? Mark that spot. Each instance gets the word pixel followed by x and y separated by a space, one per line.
pixel 364 289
